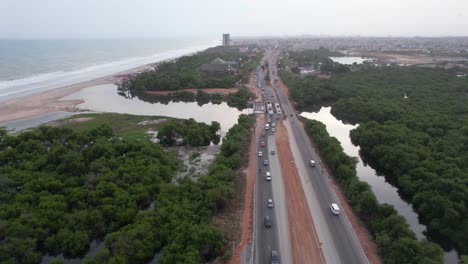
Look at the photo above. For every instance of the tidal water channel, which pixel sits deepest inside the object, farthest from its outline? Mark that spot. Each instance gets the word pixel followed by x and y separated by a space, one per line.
pixel 384 191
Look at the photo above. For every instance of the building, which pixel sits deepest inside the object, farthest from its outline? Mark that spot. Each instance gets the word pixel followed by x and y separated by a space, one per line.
pixel 226 40
pixel 219 65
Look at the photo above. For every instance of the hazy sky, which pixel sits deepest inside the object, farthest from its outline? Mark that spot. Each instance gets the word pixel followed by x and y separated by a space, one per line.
pixel 152 18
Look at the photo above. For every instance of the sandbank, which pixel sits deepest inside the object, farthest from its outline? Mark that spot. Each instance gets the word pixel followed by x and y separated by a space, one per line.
pixel 49 101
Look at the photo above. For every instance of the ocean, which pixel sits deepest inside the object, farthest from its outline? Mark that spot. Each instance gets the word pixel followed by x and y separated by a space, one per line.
pixel 29 66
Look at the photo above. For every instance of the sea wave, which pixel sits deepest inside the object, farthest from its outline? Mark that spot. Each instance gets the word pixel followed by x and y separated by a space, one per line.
pixel 41 82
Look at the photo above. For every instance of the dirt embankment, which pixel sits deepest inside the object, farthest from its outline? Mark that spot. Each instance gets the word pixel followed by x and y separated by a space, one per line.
pixel 193 90
pixel 305 245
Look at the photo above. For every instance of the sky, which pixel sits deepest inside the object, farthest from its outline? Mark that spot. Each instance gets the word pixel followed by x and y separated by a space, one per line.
pixel 209 18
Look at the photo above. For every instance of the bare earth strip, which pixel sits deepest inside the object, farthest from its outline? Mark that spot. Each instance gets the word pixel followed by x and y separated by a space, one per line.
pixel 305 246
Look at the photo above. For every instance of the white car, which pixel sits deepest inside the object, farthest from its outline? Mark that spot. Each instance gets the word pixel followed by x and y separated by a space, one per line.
pixel 335 209
pixel 260 154
pixel 270 203
pixel 312 163
pixel 268 176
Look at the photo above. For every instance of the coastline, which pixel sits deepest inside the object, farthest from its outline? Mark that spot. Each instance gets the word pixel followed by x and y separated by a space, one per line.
pixel 45 102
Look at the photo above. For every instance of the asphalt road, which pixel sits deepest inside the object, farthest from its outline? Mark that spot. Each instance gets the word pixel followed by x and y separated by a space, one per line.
pixel 275 238
pixel 339 242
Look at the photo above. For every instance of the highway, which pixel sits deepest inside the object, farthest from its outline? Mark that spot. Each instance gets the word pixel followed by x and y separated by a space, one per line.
pixel 339 242
pixel 275 238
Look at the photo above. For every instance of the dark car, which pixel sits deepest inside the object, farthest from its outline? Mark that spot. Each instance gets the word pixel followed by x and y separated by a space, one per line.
pixel 262 144
pixel 274 257
pixel 267 222
pixel 265 162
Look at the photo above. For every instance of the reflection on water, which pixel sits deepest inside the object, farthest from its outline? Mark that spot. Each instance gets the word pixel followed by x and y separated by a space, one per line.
pixel 104 98
pixel 384 192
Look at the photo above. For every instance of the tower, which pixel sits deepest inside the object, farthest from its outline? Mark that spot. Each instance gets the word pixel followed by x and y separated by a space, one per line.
pixel 226 40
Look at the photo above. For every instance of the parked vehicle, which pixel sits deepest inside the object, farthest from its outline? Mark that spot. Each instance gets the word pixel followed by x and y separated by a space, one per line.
pixel 272 152
pixel 267 126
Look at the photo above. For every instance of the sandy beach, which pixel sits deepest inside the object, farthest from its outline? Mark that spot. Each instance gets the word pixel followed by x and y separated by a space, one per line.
pixel 49 101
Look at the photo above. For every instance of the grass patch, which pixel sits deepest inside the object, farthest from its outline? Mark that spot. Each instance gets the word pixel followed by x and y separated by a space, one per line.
pixel 123 125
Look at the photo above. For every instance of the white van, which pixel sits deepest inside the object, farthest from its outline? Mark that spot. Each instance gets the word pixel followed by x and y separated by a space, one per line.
pixel 267 126
pixel 268 176
pixel 335 209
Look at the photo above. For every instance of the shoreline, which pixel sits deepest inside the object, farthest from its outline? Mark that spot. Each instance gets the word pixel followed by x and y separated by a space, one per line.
pixel 33 105
pixel 48 101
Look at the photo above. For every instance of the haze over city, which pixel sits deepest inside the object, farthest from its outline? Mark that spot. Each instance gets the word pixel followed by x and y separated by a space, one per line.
pixel 234 131
pixel 148 18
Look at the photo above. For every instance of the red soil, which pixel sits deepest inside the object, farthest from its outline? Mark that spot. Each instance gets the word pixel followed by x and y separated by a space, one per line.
pixel 305 245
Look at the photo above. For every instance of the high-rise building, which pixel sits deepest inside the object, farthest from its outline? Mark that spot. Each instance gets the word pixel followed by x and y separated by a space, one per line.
pixel 226 40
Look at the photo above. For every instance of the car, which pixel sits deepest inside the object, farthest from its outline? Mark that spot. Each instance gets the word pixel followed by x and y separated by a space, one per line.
pixel 274 257
pixel 273 129
pixel 269 120
pixel 263 133
pixel 312 163
pixel 291 114
pixel 335 209
pixel 262 143
pixel 268 176
pixel 270 203
pixel 260 154
pixel 265 162
pixel 272 152
pixel 267 222
pixel 273 125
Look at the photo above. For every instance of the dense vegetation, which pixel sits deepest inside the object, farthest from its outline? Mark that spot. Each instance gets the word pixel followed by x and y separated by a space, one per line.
pixel 420 142
pixel 60 189
pixel 396 242
pixel 184 73
pixel 189 132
